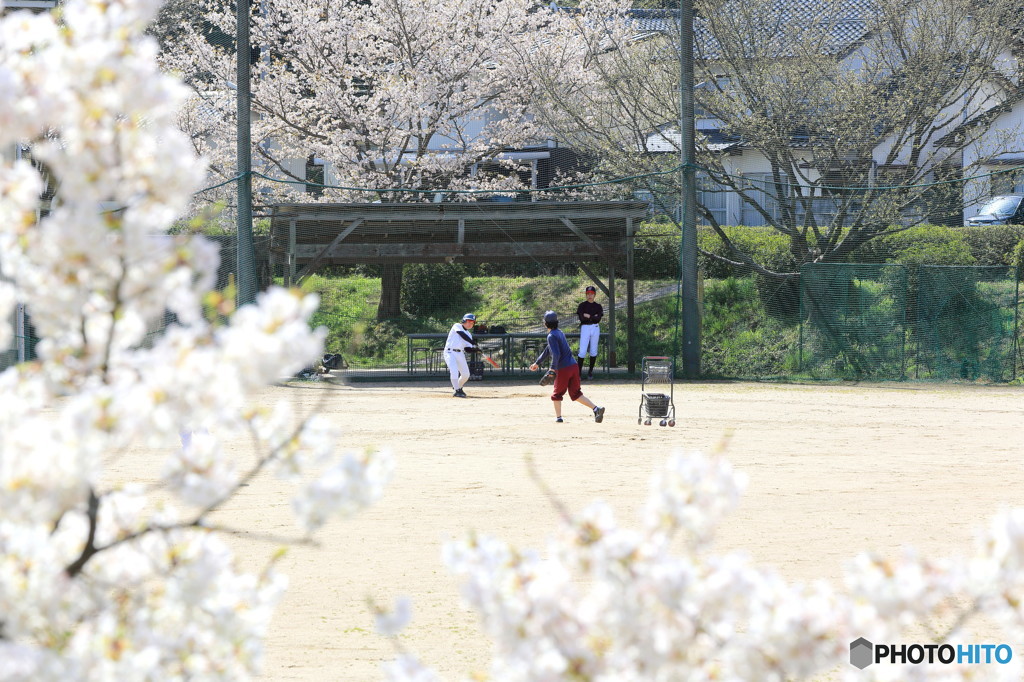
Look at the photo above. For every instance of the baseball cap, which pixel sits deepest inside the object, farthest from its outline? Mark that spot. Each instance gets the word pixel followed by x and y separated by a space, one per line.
pixel 468 316
pixel 551 316
pixel 591 288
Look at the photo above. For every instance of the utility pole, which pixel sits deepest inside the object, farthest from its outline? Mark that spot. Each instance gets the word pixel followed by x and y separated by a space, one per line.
pixel 688 197
pixel 245 253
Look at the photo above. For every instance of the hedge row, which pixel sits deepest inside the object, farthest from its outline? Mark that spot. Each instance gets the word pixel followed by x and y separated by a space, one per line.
pixel 657 248
pixel 657 257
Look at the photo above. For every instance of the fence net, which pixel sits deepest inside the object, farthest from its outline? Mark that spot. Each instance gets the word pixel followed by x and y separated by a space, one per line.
pixel 965 323
pixel 513 188
pixel 853 321
pixel 393 278
pixel 829 247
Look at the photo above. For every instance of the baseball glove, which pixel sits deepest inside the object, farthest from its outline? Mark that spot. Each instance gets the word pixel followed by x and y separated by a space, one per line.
pixel 548 378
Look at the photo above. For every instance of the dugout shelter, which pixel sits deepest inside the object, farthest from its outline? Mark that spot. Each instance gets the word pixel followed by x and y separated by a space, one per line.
pixel 597 236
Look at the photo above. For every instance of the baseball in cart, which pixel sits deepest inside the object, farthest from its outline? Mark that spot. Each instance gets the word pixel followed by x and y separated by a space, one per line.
pixel 657 379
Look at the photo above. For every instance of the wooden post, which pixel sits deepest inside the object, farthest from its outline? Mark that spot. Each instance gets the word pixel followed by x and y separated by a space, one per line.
pixel 631 323
pixel 612 359
pixel 290 278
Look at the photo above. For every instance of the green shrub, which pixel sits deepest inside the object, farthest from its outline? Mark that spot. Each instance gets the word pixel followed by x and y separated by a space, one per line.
pixel 657 248
pixel 377 339
pixel 656 254
pixel 429 287
pixel 657 251
pixel 764 245
pixel 993 244
pixel 1016 258
pixel 919 245
pixel 928 245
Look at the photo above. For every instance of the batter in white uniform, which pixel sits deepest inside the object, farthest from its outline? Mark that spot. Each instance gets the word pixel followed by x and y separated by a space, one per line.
pixel 460 338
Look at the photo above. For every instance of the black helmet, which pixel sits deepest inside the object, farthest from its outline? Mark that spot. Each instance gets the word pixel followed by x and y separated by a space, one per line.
pixel 468 316
pixel 550 316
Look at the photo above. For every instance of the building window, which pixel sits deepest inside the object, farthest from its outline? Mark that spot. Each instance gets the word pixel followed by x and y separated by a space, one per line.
pixel 761 189
pixel 712 197
pixel 1010 182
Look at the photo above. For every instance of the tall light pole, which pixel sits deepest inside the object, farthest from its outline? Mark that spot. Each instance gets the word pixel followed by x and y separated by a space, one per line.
pixel 688 196
pixel 245 253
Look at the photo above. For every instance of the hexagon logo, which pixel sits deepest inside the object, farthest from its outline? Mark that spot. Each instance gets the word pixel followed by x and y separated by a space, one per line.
pixel 861 653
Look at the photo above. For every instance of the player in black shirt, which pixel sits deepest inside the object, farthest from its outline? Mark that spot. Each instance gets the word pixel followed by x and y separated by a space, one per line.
pixel 590 313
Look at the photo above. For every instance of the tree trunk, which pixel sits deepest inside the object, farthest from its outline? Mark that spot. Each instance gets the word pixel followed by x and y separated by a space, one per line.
pixel 390 305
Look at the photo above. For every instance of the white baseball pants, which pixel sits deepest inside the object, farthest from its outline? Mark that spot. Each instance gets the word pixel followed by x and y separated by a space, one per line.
pixel 458 368
pixel 589 336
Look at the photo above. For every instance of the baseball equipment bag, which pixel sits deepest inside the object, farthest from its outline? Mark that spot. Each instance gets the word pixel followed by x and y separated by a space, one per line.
pixel 332 361
pixel 548 378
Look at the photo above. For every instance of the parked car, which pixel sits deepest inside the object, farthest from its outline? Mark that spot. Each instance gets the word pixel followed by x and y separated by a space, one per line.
pixel 1006 209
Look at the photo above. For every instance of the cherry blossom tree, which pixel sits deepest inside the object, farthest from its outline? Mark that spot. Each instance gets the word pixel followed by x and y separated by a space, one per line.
pixel 99 579
pixel 833 122
pixel 604 601
pixel 398 96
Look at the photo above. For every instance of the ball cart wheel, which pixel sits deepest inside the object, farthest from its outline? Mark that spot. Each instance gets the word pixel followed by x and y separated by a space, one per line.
pixel 671 422
pixel 662 423
pixel 639 420
pixel 647 422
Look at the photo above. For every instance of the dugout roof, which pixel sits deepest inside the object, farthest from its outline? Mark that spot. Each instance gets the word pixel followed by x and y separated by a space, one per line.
pixel 595 235
pixel 470 232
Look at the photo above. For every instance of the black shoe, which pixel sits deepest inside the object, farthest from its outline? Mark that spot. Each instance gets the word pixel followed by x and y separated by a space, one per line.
pixel 558 420
pixel 598 414
pixel 459 393
pixel 590 375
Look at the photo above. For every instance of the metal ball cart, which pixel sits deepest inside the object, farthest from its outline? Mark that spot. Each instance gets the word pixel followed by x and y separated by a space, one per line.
pixel 657 380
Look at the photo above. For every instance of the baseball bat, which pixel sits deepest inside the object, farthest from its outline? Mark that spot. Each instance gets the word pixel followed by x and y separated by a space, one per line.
pixel 491 362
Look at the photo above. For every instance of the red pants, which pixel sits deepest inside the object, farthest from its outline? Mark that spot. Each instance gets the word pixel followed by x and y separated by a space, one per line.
pixel 567 379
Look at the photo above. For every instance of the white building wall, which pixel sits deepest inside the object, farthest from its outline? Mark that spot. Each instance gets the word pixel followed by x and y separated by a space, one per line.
pixel 993 161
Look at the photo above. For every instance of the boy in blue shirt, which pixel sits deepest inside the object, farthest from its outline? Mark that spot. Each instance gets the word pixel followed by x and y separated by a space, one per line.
pixel 567 371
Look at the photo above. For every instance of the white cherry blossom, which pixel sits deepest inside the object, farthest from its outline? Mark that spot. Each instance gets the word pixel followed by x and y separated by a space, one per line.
pixel 605 602
pixel 98 580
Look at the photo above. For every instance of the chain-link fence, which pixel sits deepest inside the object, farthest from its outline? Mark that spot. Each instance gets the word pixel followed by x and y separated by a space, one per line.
pixel 394 278
pixel 853 321
pixel 820 211
pixel 965 323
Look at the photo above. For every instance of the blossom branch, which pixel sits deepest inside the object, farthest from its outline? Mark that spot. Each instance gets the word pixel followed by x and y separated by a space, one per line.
pixel 89 550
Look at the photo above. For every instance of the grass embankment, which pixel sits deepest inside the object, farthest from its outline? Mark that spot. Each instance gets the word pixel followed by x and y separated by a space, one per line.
pixel 739 338
pixel 348 309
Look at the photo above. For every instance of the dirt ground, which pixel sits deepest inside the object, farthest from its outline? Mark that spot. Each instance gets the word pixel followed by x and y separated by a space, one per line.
pixel 833 470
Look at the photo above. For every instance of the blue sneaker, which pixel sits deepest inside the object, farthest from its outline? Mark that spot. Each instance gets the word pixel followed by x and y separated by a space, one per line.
pixel 558 420
pixel 598 414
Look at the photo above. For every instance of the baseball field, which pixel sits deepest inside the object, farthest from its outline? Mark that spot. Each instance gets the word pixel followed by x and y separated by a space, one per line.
pixel 833 470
